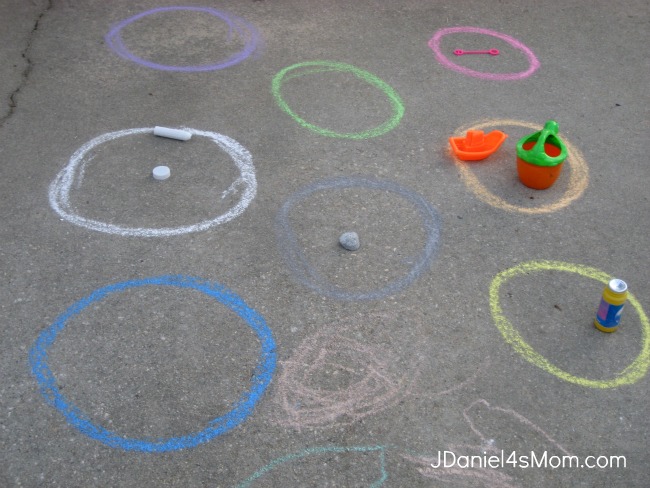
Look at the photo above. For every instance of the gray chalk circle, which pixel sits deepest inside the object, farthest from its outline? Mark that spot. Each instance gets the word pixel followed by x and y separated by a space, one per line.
pixel 309 276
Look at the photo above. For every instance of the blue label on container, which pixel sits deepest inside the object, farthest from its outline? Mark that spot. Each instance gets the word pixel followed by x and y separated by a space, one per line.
pixel 609 315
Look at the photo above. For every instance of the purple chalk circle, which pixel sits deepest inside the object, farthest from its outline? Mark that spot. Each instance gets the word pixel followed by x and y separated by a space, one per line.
pixel 236 25
pixel 434 44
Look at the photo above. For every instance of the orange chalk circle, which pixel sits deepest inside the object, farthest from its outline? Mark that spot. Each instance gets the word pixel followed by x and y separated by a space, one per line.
pixel 578 177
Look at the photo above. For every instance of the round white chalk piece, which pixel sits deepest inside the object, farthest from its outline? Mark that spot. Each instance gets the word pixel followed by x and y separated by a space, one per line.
pixel 161 172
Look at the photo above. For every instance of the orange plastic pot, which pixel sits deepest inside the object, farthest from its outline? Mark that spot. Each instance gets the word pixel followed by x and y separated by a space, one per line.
pixel 535 176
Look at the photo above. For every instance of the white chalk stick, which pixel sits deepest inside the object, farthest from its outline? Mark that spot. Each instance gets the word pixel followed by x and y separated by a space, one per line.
pixel 181 135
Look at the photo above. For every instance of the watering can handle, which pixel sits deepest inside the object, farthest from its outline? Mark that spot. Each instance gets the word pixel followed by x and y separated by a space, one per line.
pixel 537 153
pixel 551 128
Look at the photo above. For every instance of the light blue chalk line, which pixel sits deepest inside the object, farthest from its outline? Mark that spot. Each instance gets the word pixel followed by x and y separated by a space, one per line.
pixel 321 450
pixel 260 380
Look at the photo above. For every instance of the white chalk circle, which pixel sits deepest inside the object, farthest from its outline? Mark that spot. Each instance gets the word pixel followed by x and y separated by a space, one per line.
pixel 60 187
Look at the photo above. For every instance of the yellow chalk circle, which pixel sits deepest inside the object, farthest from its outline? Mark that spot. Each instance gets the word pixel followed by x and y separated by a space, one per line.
pixel 578 178
pixel 631 374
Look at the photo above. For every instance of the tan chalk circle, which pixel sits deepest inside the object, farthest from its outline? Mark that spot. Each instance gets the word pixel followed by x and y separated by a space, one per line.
pixel 578 177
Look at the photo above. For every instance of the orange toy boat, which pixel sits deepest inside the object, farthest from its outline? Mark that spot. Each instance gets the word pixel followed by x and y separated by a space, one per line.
pixel 476 145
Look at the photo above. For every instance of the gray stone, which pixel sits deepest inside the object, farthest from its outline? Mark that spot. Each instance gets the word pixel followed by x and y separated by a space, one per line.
pixel 350 241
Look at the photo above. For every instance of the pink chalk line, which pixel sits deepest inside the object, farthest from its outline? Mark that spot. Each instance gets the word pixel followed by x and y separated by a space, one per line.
pixel 377 382
pixel 377 385
pixel 485 475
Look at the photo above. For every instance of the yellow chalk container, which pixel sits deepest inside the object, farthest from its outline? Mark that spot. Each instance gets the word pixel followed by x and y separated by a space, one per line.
pixel 609 312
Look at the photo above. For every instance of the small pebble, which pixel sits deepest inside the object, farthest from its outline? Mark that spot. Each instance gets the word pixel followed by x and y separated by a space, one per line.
pixel 349 241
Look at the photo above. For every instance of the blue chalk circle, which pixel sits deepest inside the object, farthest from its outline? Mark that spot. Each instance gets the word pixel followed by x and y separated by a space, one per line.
pixel 260 380
pixel 309 276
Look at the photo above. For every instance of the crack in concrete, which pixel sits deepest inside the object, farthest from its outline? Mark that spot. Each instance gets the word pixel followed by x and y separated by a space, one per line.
pixel 13 102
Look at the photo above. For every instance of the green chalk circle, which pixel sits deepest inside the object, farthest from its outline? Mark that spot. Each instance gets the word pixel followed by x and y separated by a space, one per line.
pixel 312 67
pixel 315 451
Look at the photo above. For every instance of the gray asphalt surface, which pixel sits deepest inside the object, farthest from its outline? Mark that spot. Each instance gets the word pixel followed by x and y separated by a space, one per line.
pixel 209 330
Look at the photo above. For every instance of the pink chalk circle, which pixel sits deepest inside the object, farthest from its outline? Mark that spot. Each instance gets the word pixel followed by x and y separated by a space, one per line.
pixel 434 44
